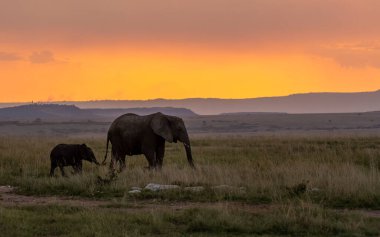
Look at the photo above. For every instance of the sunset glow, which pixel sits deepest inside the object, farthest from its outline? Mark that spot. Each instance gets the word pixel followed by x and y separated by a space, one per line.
pixel 99 55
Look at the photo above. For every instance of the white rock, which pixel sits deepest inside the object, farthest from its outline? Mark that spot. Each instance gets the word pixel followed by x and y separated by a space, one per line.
pixel 6 189
pixel 152 187
pixel 164 187
pixel 195 189
pixel 136 188
pixel 157 187
pixel 134 191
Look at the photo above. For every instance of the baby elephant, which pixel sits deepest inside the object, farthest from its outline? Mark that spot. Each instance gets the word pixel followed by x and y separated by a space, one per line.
pixel 70 155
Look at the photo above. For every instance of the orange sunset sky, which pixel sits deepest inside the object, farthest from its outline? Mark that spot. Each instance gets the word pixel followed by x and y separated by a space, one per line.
pixel 93 50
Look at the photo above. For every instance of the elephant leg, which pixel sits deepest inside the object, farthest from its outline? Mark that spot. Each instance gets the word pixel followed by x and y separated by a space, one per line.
pixel 113 160
pixel 78 168
pixel 62 170
pixel 52 168
pixel 151 157
pixel 122 163
pixel 112 163
pixel 160 152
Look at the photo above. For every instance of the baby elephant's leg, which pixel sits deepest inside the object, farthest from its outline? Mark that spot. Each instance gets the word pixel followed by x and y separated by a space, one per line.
pixel 52 168
pixel 78 167
pixel 62 170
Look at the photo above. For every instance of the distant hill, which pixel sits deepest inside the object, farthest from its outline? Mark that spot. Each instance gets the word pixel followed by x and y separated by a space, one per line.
pixel 46 112
pixel 297 103
pixel 251 113
pixel 59 112
pixel 180 112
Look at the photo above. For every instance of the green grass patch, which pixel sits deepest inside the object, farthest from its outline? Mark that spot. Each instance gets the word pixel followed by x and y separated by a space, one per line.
pixel 289 220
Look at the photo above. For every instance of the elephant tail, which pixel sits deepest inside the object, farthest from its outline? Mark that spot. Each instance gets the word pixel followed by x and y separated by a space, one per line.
pixel 105 157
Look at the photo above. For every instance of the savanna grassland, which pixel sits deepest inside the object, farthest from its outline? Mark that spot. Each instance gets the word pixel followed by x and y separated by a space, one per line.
pixel 315 186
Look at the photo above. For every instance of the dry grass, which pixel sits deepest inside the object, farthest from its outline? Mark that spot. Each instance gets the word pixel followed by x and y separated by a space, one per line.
pixel 341 171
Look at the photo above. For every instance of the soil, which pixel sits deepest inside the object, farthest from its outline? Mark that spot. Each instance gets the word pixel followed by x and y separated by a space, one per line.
pixel 9 198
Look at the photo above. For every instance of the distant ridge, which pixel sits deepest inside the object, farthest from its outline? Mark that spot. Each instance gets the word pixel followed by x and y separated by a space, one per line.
pixel 328 102
pixel 297 103
pixel 180 112
pixel 47 112
pixel 59 112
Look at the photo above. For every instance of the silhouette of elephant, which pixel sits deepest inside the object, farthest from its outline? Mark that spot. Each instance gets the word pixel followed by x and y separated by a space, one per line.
pixel 70 155
pixel 131 134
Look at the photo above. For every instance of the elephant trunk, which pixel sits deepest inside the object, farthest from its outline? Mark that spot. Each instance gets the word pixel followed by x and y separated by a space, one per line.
pixel 186 143
pixel 189 155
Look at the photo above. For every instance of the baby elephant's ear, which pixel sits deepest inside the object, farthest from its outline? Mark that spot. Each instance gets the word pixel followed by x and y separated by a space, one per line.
pixel 83 145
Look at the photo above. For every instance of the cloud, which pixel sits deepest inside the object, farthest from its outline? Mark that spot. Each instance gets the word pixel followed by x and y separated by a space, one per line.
pixel 4 56
pixel 189 21
pixel 364 54
pixel 41 57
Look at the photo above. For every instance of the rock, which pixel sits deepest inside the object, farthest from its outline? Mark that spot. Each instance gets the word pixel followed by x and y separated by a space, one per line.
pixel 153 187
pixel 158 187
pixel 136 188
pixel 223 187
pixel 134 191
pixel 164 187
pixel 195 189
pixel 6 189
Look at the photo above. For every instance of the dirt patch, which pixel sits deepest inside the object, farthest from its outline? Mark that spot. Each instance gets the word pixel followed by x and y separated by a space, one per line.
pixel 371 213
pixel 8 197
pixel 179 206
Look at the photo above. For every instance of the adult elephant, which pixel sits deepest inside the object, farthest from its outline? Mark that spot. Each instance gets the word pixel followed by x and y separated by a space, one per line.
pixel 131 134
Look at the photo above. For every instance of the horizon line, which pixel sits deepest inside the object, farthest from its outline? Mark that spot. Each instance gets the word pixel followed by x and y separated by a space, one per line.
pixel 188 98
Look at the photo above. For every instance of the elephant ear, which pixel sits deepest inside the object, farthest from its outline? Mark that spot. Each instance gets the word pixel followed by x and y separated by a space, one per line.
pixel 161 127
